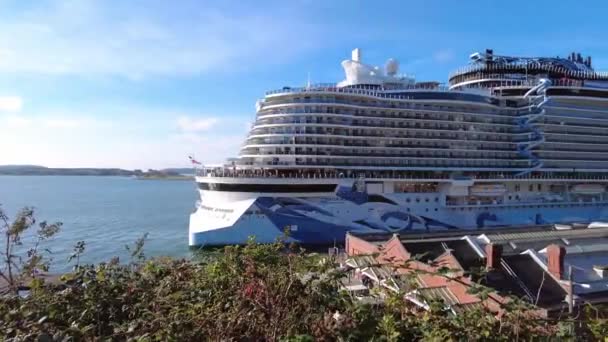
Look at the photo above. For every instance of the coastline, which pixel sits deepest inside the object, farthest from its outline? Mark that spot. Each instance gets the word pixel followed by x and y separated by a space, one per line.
pixel 175 178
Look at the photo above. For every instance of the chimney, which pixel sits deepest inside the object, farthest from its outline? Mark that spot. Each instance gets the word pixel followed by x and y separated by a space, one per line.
pixel 356 55
pixel 493 256
pixel 555 260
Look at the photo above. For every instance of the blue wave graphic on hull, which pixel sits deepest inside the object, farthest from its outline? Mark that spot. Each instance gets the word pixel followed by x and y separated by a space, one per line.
pixel 305 220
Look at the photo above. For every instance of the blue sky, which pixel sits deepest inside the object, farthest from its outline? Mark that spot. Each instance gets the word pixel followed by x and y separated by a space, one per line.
pixel 142 84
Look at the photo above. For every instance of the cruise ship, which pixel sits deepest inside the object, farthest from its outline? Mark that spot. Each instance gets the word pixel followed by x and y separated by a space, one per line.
pixel 509 141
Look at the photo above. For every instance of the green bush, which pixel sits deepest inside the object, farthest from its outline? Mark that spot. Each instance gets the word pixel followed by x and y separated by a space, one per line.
pixel 250 293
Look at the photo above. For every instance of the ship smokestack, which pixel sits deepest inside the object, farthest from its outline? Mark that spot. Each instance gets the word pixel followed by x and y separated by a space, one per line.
pixel 356 55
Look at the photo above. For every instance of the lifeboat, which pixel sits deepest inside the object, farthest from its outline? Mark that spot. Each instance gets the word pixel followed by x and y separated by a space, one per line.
pixel 588 189
pixel 488 190
pixel 598 224
pixel 558 226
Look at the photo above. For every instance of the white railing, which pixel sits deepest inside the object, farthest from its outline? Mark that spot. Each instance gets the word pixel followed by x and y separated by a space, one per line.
pixel 506 82
pixel 529 67
pixel 387 175
pixel 376 91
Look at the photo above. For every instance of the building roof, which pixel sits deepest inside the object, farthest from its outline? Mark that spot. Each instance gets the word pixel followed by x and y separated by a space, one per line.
pixel 523 268
pixel 431 250
pixel 584 275
pixel 545 235
pixel 361 261
pixel 520 276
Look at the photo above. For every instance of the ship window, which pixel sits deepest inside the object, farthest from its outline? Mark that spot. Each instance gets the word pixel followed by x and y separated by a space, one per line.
pixel 417 200
pixel 531 187
pixel 538 186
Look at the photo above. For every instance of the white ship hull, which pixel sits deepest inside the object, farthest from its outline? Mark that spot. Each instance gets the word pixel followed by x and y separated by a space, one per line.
pixel 233 218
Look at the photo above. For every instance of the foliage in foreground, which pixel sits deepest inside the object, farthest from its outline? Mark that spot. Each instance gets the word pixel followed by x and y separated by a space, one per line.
pixel 251 293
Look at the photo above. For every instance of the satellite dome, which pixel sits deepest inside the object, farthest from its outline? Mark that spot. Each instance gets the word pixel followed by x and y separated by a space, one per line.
pixel 392 66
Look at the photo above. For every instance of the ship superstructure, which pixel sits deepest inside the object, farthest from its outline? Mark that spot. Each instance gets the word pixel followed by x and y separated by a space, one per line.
pixel 509 141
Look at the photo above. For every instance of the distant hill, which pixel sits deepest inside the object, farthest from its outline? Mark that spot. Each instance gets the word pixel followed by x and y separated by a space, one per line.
pixel 20 167
pixel 181 171
pixel 37 170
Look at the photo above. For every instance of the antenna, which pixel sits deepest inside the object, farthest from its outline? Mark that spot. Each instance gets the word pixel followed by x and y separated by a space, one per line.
pixel 308 81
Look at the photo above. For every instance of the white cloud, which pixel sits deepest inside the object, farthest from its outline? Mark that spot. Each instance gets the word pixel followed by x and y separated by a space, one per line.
pixel 10 103
pixel 97 37
pixel 23 122
pixel 15 121
pixel 188 124
pixel 67 122
pixel 131 138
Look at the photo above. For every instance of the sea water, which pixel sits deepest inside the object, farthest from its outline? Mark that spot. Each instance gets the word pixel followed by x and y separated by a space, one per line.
pixel 105 212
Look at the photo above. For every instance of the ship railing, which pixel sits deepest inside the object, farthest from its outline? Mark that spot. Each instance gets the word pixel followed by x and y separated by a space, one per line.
pixel 506 82
pixel 529 67
pixel 348 114
pixel 377 91
pixel 276 174
pixel 261 143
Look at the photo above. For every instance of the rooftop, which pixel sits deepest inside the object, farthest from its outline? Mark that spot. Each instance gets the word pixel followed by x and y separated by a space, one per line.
pixel 524 268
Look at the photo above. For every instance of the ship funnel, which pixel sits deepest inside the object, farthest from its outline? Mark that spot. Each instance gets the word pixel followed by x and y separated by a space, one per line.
pixel 356 55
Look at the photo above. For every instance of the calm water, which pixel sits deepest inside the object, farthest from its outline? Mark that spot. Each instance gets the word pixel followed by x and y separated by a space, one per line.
pixel 106 212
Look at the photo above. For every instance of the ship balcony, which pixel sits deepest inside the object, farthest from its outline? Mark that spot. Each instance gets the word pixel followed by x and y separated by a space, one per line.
pixel 476 126
pixel 382 162
pixel 511 200
pixel 339 106
pixel 367 145
pixel 315 114
pixel 256 171
pixel 360 130
pixel 354 89
pixel 411 152
pixel 355 137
